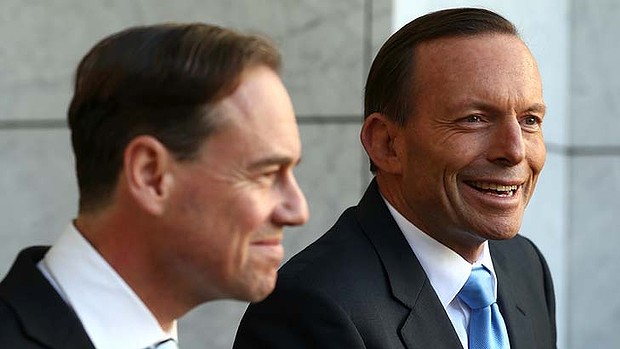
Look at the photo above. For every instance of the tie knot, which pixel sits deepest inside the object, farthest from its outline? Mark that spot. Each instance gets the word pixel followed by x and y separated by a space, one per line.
pixel 478 290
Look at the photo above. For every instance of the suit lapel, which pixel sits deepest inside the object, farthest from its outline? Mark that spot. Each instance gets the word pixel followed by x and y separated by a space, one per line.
pixel 428 325
pixel 510 300
pixel 43 313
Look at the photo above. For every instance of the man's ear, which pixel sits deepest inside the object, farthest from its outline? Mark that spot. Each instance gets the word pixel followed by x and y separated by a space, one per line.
pixel 381 137
pixel 146 169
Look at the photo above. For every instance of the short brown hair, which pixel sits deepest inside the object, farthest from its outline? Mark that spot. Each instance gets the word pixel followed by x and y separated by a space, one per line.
pixel 389 84
pixel 159 80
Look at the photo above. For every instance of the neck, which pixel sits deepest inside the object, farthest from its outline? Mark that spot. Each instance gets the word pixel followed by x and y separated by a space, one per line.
pixel 127 250
pixel 467 245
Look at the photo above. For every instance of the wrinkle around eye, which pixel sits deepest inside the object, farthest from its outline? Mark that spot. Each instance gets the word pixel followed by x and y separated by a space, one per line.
pixel 471 122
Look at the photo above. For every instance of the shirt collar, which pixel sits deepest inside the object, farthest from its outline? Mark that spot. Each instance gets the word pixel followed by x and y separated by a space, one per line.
pixel 446 269
pixel 111 313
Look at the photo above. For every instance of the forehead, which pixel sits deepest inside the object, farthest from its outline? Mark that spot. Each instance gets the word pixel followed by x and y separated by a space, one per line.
pixel 459 57
pixel 260 96
pixel 258 117
pixel 489 65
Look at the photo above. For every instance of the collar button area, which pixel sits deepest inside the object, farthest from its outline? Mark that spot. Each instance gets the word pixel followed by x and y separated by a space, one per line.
pixel 477 292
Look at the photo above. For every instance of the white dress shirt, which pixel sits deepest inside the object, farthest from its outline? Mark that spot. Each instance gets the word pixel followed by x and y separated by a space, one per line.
pixel 446 270
pixel 113 316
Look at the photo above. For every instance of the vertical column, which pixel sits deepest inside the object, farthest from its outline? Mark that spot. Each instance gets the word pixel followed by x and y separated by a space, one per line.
pixel 595 175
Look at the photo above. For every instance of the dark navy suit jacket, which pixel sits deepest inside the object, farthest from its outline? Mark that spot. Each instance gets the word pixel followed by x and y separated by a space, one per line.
pixel 360 286
pixel 32 313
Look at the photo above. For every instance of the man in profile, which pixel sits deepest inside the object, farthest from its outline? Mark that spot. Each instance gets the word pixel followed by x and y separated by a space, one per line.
pixel 185 142
pixel 431 256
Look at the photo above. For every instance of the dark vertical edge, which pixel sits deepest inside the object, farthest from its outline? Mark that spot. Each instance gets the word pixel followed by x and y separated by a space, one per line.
pixel 366 59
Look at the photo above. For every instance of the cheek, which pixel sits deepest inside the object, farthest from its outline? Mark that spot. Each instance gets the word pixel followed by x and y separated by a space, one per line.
pixel 537 154
pixel 253 212
pixel 246 220
pixel 226 226
pixel 440 158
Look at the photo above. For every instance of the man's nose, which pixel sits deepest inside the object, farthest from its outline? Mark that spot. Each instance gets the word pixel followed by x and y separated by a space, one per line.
pixel 293 209
pixel 507 147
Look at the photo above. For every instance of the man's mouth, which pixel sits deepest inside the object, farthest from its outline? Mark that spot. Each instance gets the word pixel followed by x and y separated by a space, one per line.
pixel 495 188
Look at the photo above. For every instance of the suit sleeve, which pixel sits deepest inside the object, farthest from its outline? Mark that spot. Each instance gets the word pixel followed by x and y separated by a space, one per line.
pixel 297 318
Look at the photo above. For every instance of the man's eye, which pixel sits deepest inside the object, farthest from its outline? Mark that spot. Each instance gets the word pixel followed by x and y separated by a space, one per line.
pixel 473 118
pixel 531 121
pixel 268 177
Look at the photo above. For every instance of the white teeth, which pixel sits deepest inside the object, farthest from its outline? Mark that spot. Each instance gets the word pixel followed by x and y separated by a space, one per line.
pixel 494 186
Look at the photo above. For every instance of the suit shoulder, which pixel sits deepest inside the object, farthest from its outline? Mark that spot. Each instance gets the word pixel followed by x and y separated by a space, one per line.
pixel 523 261
pixel 10 327
pixel 339 256
pixel 517 246
pixel 7 315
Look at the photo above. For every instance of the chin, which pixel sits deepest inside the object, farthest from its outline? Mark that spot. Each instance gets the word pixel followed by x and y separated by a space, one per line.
pixel 258 295
pixel 506 234
pixel 259 290
pixel 496 229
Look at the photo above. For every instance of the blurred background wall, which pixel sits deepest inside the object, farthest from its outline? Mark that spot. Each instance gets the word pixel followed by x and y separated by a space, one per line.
pixel 327 48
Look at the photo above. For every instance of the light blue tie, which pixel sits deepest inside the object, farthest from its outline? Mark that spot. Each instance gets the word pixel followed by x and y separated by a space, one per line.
pixel 487 329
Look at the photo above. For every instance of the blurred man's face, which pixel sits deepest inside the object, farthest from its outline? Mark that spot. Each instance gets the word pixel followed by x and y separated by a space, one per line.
pixel 235 199
pixel 473 148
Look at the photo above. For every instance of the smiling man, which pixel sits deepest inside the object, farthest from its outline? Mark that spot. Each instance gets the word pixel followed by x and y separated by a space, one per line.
pixel 185 142
pixel 431 256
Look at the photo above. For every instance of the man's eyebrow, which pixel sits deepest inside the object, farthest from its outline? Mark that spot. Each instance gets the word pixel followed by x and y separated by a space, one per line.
pixel 482 105
pixel 274 161
pixel 537 108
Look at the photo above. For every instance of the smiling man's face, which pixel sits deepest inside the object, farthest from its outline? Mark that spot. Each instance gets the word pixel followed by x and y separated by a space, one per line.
pixel 230 205
pixel 473 148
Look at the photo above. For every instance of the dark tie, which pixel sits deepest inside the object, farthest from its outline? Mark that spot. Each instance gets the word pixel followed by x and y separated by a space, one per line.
pixel 167 344
pixel 486 329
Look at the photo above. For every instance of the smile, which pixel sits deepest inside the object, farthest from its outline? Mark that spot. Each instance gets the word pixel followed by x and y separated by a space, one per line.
pixel 495 189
